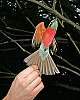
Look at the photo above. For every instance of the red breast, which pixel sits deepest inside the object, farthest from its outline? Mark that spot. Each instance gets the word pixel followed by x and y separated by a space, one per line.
pixel 48 36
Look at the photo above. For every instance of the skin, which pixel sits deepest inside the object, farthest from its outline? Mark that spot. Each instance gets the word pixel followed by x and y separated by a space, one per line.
pixel 26 85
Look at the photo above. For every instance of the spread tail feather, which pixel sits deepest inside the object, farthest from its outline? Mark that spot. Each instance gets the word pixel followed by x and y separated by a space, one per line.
pixel 46 66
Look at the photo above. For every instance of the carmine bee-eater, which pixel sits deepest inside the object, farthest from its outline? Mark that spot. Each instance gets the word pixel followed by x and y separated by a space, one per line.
pixel 42 58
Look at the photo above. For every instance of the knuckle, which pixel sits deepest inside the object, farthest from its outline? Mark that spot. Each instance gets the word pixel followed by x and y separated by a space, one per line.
pixel 28 90
pixel 36 73
pixel 32 94
pixel 17 77
pixel 39 79
pixel 19 80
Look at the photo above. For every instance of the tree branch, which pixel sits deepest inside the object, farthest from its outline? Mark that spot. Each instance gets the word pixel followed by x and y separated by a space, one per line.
pixel 68 69
pixel 73 42
pixel 25 16
pixel 67 62
pixel 56 13
pixel 14 29
pixel 68 87
pixel 15 42
pixel 19 40
pixel 7 73
pixel 54 4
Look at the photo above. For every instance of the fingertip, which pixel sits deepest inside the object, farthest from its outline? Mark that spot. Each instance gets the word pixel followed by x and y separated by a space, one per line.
pixel 37 89
pixel 42 84
pixel 35 67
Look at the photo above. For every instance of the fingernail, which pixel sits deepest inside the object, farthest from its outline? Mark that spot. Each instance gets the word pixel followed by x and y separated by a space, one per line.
pixel 35 67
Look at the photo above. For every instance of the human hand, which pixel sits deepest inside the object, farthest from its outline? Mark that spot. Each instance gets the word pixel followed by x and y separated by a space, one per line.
pixel 26 85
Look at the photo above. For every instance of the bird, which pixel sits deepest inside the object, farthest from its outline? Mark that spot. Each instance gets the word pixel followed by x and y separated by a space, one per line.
pixel 43 38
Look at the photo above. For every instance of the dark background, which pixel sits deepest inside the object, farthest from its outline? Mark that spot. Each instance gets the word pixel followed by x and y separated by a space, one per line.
pixel 65 85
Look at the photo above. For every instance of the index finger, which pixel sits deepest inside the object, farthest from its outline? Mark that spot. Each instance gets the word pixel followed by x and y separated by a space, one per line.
pixel 28 70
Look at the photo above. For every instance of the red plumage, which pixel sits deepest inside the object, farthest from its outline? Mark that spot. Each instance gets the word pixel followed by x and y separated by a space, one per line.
pixel 48 36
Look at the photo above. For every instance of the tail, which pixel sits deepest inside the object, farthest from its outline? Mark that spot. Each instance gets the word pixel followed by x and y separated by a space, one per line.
pixel 46 66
